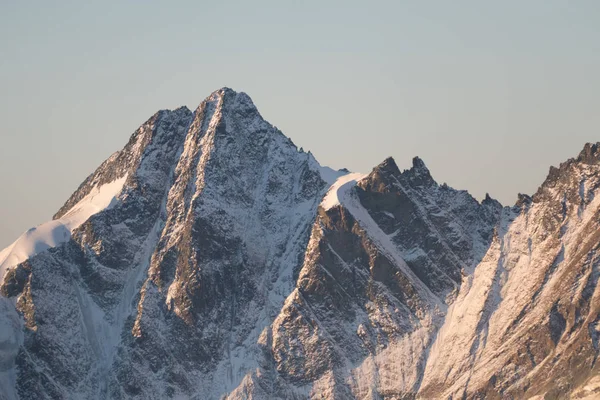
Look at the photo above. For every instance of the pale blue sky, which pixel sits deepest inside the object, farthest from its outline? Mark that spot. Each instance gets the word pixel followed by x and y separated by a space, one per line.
pixel 489 94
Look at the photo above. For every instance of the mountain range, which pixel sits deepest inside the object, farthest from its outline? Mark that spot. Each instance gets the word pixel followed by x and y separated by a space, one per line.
pixel 211 258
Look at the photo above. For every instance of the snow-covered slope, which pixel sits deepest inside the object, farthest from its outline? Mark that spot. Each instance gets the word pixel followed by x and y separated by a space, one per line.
pixel 58 231
pixel 212 258
pixel 524 323
pixel 340 189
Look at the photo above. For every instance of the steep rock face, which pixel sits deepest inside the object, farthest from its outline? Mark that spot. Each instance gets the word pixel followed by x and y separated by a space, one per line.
pixel 238 218
pixel 440 231
pixel 371 293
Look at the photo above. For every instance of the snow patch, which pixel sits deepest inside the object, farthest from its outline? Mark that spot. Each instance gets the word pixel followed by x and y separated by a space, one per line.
pixel 329 175
pixel 339 188
pixel 56 232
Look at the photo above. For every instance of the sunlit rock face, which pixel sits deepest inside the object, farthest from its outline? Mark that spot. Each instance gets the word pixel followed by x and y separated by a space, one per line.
pixel 211 258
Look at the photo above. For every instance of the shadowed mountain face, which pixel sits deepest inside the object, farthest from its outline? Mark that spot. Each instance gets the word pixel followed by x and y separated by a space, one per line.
pixel 210 258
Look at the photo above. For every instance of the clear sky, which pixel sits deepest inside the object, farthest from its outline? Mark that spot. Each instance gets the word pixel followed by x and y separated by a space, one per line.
pixel 489 94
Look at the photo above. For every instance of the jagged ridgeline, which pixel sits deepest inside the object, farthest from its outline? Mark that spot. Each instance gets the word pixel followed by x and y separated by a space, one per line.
pixel 211 258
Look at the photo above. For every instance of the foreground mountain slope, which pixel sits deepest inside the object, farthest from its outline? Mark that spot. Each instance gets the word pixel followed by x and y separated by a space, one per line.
pixel 211 258
pixel 526 322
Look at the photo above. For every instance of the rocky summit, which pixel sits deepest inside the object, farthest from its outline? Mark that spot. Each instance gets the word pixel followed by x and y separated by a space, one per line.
pixel 213 259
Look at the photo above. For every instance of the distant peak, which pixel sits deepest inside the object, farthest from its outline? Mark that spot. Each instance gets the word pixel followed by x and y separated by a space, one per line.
pixel 419 166
pixel 224 91
pixel 220 94
pixel 388 166
pixel 523 200
pixel 229 99
pixel 419 173
pixel 228 93
pixel 590 153
pixel 227 89
pixel 490 201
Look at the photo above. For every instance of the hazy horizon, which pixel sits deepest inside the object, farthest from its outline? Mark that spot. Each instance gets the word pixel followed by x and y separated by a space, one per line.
pixel 488 95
